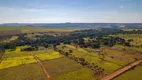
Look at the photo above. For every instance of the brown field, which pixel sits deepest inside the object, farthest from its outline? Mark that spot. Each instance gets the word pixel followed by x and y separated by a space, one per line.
pixel 12 32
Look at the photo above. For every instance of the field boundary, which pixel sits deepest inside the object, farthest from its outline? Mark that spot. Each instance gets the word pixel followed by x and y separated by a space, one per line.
pixel 122 70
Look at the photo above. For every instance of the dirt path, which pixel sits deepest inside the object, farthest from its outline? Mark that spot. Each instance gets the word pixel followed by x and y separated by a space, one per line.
pixel 43 68
pixel 120 71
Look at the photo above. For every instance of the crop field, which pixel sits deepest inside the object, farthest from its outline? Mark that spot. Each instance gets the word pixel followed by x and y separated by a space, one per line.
pixel 37 29
pixel 82 74
pixel 10 39
pixel 12 32
pixel 133 74
pixel 23 72
pixel 66 69
pixel 5 28
pixel 112 61
pixel 18 57
pixel 13 38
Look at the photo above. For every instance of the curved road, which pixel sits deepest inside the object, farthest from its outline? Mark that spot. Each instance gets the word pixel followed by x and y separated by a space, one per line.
pixel 120 71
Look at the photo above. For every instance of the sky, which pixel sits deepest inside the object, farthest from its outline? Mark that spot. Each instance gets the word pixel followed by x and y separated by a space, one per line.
pixel 75 11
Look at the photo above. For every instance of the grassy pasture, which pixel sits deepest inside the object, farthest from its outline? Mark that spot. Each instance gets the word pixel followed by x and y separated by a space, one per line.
pixel 5 28
pixel 133 74
pixel 66 69
pixel 38 29
pixel 121 57
pixel 82 74
pixel 23 72
pixel 108 63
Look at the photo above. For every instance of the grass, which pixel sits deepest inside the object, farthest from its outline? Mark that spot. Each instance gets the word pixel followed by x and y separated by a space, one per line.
pixel 37 29
pixel 10 39
pixel 108 66
pixel 13 38
pixel 23 72
pixel 5 28
pixel 82 74
pixel 60 66
pixel 16 58
pixel 134 74
pixel 16 61
pixel 49 56
pixel 108 63
pixel 66 69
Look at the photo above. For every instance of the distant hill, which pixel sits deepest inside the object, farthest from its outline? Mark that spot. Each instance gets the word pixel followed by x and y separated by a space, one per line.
pixel 68 24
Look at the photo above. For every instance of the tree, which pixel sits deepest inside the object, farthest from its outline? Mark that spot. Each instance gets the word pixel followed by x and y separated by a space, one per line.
pixel 70 51
pixel 46 46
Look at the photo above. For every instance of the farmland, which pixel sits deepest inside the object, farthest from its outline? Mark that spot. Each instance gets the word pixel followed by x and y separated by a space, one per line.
pixel 133 74
pixel 36 29
pixel 109 64
pixel 67 54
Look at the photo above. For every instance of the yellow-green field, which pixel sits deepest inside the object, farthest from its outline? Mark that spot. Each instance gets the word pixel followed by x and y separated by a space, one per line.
pixel 16 61
pixel 13 38
pixel 23 72
pixel 120 58
pixel 38 29
pixel 66 69
pixel 17 57
pixel 133 74
pixel 10 39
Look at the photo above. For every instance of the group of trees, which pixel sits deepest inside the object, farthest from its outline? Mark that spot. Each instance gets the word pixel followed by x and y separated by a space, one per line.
pixel 97 70
pixel 75 37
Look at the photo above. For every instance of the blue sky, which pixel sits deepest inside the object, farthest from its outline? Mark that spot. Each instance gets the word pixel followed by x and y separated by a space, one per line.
pixel 59 11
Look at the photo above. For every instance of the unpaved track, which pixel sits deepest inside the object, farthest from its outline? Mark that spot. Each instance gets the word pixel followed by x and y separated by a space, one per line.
pixel 120 71
pixel 43 68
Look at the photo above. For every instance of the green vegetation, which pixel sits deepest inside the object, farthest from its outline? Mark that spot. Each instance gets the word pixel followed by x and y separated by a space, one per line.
pixel 68 54
pixel 38 29
pixel 82 74
pixel 18 57
pixel 23 72
pixel 133 74
pixel 13 38
pixel 66 69
pixel 49 56
pixel 11 62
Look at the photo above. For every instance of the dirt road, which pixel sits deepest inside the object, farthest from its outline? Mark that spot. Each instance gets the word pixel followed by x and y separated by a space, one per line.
pixel 43 68
pixel 120 71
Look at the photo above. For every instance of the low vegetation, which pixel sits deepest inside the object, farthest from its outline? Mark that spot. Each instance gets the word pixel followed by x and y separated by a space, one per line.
pixel 69 54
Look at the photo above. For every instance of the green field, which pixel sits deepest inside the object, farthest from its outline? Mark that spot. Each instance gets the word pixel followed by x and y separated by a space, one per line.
pixel 133 74
pixel 82 74
pixel 66 69
pixel 10 39
pixel 59 67
pixel 38 29
pixel 109 64
pixel 17 57
pixel 23 72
